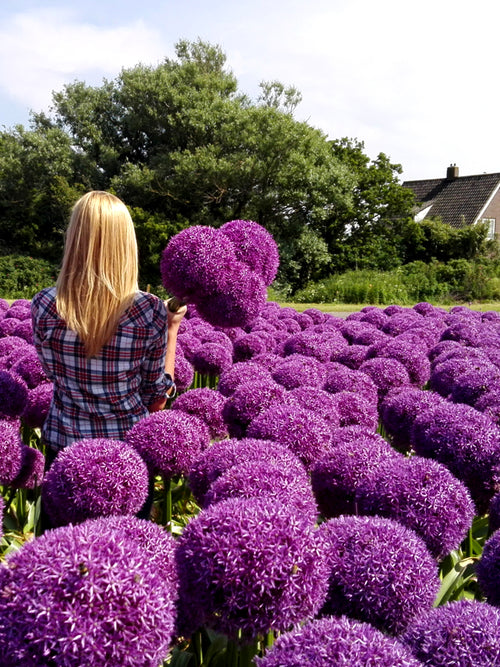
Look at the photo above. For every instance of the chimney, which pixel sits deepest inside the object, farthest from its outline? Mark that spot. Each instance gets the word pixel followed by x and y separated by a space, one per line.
pixel 452 172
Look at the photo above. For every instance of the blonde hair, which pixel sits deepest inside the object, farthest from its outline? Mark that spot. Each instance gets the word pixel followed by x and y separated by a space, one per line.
pixel 98 277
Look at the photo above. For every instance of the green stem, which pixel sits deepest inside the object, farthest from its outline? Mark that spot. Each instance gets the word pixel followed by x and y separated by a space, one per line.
pixel 232 654
pixel 248 653
pixel 167 503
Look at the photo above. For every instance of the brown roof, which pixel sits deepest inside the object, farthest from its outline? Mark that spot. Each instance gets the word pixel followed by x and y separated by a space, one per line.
pixel 457 201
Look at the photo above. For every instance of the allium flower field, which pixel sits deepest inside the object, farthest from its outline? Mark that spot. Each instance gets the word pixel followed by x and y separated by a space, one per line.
pixel 326 492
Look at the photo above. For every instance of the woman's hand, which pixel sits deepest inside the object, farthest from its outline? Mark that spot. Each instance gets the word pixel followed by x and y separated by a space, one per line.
pixel 175 317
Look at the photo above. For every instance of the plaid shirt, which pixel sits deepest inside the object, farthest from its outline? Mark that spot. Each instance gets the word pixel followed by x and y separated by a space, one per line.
pixel 101 397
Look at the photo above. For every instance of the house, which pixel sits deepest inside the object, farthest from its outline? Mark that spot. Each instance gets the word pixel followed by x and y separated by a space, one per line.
pixel 459 200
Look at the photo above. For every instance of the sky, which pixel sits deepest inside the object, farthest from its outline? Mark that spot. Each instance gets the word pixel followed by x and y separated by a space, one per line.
pixel 414 80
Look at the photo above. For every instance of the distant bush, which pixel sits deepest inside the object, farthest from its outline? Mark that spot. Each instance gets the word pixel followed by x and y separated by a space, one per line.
pixel 457 280
pixel 21 277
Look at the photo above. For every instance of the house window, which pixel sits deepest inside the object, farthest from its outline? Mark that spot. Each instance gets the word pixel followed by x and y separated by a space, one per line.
pixel 491 226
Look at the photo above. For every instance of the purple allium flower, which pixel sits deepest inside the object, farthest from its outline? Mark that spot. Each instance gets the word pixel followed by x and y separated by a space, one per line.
pixel 337 642
pixel 92 478
pixel 184 373
pixel 251 344
pixel 189 344
pixel 260 478
pixel 218 336
pixel 464 633
pixel 386 373
pixel 24 330
pixel 336 477
pixel 84 594
pixel 19 311
pixel 194 261
pixel 400 322
pixel 318 400
pixel 444 375
pixel 380 571
pixel 271 325
pixel 13 344
pixel 4 305
pixel 29 368
pixel 487 569
pixel 306 434
pixel 352 356
pixel 423 495
pixel 399 409
pixel 212 359
pixel 240 373
pixel 412 357
pixel 466 441
pixel 32 468
pixel 37 405
pixel 10 450
pixel 368 335
pixel 13 395
pixel 319 346
pixel 248 401
pixel 238 299
pixel 440 348
pixel 269 360
pixel 317 316
pixel 471 385
pixel 354 317
pixel 290 325
pixel 249 565
pixel 305 321
pixel 254 246
pixel 467 333
pixel 158 545
pixel 424 308
pixel 7 326
pixel 489 403
pixel 375 316
pixel 490 316
pixel 393 309
pixel 222 455
pixel 169 441
pixel 356 410
pixel 206 404
pixel 299 371
pixel 340 378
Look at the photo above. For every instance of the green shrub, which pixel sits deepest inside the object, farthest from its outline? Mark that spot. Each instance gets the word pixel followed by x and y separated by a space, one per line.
pixel 21 277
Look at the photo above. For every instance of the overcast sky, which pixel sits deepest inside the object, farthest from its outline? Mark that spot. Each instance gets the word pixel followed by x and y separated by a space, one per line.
pixel 415 80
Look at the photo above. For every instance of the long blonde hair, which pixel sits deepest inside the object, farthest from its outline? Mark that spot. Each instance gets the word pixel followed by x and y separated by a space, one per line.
pixel 98 277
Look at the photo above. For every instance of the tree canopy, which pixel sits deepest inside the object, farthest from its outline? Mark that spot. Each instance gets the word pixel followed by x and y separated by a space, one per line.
pixel 181 145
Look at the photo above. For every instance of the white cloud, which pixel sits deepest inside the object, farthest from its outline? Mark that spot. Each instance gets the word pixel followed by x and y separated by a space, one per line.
pixel 42 50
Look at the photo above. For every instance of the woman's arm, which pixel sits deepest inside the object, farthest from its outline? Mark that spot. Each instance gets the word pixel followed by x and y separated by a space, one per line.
pixel 174 321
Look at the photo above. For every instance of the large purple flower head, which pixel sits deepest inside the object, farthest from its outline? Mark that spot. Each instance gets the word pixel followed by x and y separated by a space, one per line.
pixel 400 322
pixel 423 495
pixel 256 479
pixel 352 356
pixel 341 378
pixel 445 374
pixel 466 441
pixel 317 316
pixel 305 321
pixel 336 477
pixel 10 450
pixel 307 435
pixel 375 316
pixel 387 587
pixel 13 395
pixel 93 478
pixel 386 373
pixel 184 373
pixel 240 373
pixel 222 455
pixel 464 633
pixel 297 370
pixel 473 384
pixel 249 565
pixel 487 569
pixel 206 404
pixel 489 403
pixel 24 329
pixel 251 344
pixel 212 359
pixel 319 346
pixel 32 469
pixel 254 246
pixel 193 262
pixel 356 410
pixel 238 299
pixel 28 367
pixel 37 405
pixel 412 357
pixel 337 642
pixel 494 513
pixel 443 347
pixel 84 594
pixel 217 336
pixel 19 311
pixel 14 344
pixel 318 400
pixel 169 441
pixel 399 409
pixel 248 401
pixel 8 325
pixel 465 332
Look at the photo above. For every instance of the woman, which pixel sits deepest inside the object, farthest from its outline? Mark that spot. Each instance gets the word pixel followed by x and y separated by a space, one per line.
pixel 102 342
